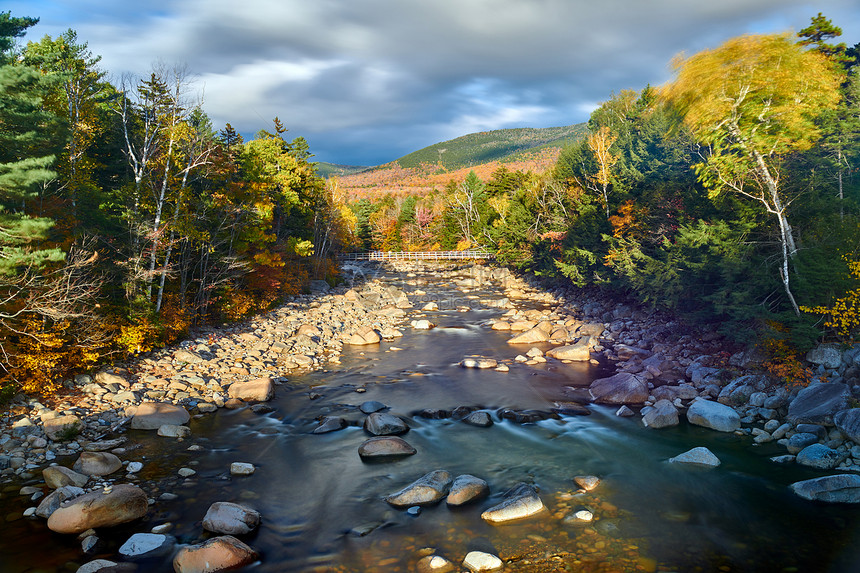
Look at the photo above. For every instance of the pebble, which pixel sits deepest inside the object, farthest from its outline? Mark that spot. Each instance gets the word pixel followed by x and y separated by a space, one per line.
pixel 242 469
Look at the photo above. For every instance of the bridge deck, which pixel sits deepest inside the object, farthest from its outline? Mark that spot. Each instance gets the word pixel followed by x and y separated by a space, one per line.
pixel 416 255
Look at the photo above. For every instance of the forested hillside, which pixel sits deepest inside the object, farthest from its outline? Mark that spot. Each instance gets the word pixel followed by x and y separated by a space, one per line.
pixel 730 195
pixel 125 217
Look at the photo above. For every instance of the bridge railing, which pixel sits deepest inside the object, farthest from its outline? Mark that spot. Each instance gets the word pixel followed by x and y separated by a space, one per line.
pixel 416 255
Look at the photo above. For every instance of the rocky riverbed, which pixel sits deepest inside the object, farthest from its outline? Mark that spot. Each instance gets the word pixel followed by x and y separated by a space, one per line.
pixel 73 460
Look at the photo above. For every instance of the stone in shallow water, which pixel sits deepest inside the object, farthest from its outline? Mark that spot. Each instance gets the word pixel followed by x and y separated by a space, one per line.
pixel 242 469
pixel 478 561
pixel 58 476
pixel 622 388
pixel 372 406
pixel 478 362
pixel 820 456
pixel 426 490
pixel 102 508
pixel 330 424
pixel 97 463
pixel 841 488
pixel 385 447
pixel 231 518
pixel 519 502
pixel 701 457
pixel 480 419
pixel 217 554
pixel 152 415
pixel 434 564
pixel 146 545
pixel 713 415
pixel 467 488
pixel 587 483
pixel 381 424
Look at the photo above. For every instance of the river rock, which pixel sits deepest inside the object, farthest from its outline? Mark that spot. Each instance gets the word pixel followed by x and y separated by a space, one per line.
pixel 434 564
pixel 385 447
pixel 799 441
pixel 97 463
pixel 577 352
pixel 422 324
pixel 102 508
pixel 426 490
pixel 364 336
pixel 330 424
pixel 188 356
pixel 62 428
pixel 587 483
pixel 242 469
pixel 217 554
pixel 827 355
pixel 841 488
pixel 106 378
pixel 478 562
pixel 519 502
pixel 536 334
pixel 466 488
pixel 153 415
pixel 147 545
pixel 622 388
pixel 663 414
pixel 56 498
pixel 818 403
pixel 713 415
pixel 230 518
pixel 173 431
pixel 97 565
pixel 372 406
pixel 701 457
pixel 848 422
pixel 382 424
pixel 58 476
pixel 259 390
pixel 480 418
pixel 478 362
pixel 820 457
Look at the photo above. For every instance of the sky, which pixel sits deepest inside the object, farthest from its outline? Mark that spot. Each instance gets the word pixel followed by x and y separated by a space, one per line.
pixel 368 81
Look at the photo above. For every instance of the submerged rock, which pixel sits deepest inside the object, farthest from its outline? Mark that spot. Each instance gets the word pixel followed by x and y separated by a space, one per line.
pixel 467 488
pixel 701 457
pixel 97 463
pixel 478 561
pixel 385 447
pixel 259 390
pixel 231 518
pixel 842 488
pixel 329 424
pixel 147 545
pixel 382 424
pixel 217 554
pixel 519 502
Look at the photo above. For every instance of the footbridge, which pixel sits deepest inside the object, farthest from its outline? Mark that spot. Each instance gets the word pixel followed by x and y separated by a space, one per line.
pixel 474 254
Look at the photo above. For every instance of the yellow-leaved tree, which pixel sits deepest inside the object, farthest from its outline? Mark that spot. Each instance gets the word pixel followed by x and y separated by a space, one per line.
pixel 752 101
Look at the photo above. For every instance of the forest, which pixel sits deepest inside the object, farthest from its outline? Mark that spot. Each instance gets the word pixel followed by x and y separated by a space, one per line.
pixel 729 196
pixel 126 218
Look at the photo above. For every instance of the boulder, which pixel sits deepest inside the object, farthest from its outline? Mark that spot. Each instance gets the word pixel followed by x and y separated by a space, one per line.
pixel 434 564
pixel 97 463
pixel 480 418
pixel 848 422
pixel 105 378
pixel 385 447
pixel 372 406
pixel 536 334
pixel 841 488
pixel 55 499
pixel 422 324
pixel 799 441
pixel 478 562
pixel 173 431
pixel 466 488
pixel 259 390
pixel 102 508
pixel 382 424
pixel 426 490
pixel 230 518
pixel 622 388
pixel 62 428
pixel 519 502
pixel 578 352
pixel 700 457
pixel 818 403
pixel 587 483
pixel 242 469
pixel 97 565
pixel 820 457
pixel 478 362
pixel 329 424
pixel 593 329
pixel 216 554
pixel 663 414
pixel 364 336
pixel 153 415
pixel 827 355
pixel 147 545
pixel 713 415
pixel 58 476
pixel 188 356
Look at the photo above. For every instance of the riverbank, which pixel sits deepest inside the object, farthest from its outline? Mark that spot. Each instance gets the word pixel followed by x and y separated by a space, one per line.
pixel 656 363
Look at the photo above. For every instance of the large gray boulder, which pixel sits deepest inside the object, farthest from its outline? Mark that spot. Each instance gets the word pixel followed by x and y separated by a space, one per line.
pixel 817 404
pixel 467 488
pixel 848 422
pixel 622 388
pixel 713 415
pixel 383 424
pixel 426 490
pixel 842 488
pixel 698 457
pixel 231 518
pixel 519 502
pixel 820 457
pixel 663 414
pixel 153 415
pixel 827 355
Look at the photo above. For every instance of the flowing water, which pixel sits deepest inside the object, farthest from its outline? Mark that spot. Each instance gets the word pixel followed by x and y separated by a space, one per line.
pixel 322 508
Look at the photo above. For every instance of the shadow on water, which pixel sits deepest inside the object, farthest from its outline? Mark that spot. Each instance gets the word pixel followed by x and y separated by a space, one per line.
pixel 322 506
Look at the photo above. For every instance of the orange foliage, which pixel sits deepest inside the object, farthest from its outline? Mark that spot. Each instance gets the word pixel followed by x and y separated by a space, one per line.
pixel 783 360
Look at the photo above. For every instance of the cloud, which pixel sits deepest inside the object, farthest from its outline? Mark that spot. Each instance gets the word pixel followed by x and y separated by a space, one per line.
pixel 369 79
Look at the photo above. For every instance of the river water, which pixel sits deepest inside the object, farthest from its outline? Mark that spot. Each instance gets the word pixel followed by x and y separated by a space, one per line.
pixel 322 508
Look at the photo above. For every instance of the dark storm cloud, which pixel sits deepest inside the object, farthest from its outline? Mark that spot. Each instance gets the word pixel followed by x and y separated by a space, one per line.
pixel 368 80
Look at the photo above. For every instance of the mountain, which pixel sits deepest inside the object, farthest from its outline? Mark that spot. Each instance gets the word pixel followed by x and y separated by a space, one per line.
pixel 326 170
pixel 498 145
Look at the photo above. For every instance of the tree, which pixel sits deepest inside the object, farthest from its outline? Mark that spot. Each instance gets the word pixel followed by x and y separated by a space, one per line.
pixel 753 101
pixel 816 35
pixel 600 142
